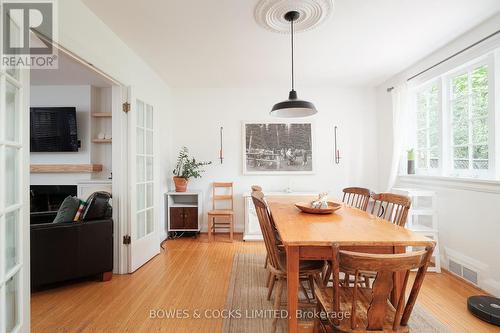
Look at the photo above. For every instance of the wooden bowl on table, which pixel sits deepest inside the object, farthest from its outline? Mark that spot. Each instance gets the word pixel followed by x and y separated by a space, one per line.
pixel 306 208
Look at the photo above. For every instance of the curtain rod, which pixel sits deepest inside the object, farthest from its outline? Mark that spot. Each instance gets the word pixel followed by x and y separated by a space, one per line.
pixel 450 57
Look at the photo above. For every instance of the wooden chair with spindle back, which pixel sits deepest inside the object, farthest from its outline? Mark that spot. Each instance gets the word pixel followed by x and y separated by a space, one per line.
pixel 308 270
pixel 370 308
pixel 225 214
pixel 391 207
pixel 256 188
pixel 257 192
pixel 357 197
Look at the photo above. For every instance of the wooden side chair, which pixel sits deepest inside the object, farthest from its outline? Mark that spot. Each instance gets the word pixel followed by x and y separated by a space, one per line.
pixel 221 218
pixel 308 270
pixel 257 191
pixel 370 308
pixel 256 188
pixel 391 207
pixel 357 197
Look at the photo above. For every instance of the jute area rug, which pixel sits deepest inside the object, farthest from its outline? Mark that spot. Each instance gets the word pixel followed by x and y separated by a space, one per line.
pixel 252 312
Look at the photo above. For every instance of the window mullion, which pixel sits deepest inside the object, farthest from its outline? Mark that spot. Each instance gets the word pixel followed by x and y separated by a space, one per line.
pixel 427 122
pixel 469 115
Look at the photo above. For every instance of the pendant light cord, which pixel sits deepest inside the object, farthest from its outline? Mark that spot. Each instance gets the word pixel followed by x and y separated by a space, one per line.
pixel 293 79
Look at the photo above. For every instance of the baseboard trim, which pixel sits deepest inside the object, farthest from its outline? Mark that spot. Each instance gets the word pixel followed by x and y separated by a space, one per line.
pixel 458 278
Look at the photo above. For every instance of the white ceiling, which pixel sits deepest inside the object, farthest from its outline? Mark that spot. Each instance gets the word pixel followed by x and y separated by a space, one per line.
pixel 218 43
pixel 69 72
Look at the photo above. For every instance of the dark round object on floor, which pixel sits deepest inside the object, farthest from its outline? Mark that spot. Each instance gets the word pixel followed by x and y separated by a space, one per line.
pixel 486 308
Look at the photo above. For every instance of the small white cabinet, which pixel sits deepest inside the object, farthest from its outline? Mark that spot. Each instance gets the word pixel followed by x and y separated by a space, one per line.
pixel 184 211
pixel 252 227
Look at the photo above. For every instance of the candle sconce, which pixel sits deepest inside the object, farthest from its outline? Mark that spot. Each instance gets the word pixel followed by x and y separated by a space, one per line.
pixel 336 149
pixel 221 152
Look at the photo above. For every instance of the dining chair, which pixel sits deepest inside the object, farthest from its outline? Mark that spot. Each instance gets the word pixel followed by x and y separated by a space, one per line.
pixel 357 197
pixel 391 207
pixel 308 270
pixel 369 309
pixel 257 190
pixel 221 218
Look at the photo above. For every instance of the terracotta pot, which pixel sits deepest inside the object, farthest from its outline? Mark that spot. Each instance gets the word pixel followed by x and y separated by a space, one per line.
pixel 180 184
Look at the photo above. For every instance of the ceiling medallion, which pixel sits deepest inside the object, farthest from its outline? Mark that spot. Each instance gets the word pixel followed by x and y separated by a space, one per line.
pixel 270 14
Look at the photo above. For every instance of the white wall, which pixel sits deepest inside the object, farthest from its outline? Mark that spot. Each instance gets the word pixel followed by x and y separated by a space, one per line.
pixel 468 222
pixel 83 33
pixel 80 98
pixel 199 113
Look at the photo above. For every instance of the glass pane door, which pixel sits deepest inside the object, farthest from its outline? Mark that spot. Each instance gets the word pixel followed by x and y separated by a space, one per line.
pixel 144 158
pixel 144 234
pixel 11 201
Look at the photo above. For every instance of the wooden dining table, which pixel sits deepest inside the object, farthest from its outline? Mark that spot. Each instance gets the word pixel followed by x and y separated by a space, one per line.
pixel 310 237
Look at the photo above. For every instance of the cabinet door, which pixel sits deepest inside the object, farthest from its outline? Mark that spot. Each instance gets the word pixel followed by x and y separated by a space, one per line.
pixel 191 217
pixel 177 218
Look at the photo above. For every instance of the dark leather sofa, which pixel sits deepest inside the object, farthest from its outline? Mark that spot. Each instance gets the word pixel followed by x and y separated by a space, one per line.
pixel 70 250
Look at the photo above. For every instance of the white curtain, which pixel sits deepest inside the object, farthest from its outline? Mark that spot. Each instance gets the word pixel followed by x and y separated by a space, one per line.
pixel 400 105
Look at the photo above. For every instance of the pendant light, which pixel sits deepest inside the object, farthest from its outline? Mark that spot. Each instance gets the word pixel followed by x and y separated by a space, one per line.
pixel 293 107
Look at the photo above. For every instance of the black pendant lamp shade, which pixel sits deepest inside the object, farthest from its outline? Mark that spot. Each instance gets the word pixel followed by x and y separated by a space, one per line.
pixel 293 107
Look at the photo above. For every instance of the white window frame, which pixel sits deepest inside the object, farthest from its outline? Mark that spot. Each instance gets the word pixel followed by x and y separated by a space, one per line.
pixel 448 144
pixel 444 80
pixel 429 171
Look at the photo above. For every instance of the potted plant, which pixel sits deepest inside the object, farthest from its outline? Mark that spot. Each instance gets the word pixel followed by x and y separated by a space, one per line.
pixel 411 162
pixel 185 169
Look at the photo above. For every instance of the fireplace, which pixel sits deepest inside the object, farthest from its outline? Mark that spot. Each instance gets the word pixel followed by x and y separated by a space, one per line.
pixel 45 200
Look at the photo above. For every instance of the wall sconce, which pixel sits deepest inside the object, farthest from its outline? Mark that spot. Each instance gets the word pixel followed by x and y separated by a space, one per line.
pixel 221 152
pixel 336 149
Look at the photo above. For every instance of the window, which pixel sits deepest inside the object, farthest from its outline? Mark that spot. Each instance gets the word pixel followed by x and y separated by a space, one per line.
pixel 453 130
pixel 469 106
pixel 427 125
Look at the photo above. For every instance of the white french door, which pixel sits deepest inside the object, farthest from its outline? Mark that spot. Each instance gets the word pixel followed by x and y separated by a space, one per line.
pixel 144 233
pixel 14 200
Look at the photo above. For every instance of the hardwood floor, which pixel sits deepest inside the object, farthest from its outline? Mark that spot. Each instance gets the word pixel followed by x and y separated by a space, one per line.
pixel 193 274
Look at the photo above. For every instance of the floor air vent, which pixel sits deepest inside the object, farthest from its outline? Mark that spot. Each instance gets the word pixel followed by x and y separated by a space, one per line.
pixel 464 272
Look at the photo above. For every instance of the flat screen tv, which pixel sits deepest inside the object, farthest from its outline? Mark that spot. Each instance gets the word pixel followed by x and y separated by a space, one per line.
pixel 53 129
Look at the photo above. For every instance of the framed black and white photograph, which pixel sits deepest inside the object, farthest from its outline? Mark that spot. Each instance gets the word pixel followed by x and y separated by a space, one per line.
pixel 278 148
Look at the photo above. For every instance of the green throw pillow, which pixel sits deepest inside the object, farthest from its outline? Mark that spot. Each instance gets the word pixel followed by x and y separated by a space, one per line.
pixel 68 209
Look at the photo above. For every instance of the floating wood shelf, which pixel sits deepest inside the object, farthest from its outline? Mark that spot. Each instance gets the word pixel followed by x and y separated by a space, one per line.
pixel 101 114
pixel 102 140
pixel 65 168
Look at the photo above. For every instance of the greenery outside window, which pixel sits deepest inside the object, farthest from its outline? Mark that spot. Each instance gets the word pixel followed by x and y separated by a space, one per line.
pixel 428 123
pixel 454 122
pixel 469 106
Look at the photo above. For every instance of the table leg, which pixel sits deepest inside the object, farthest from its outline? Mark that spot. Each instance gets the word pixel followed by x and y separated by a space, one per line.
pixel 398 279
pixel 292 268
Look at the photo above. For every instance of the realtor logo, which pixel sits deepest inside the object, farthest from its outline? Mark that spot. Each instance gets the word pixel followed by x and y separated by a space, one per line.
pixel 28 32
